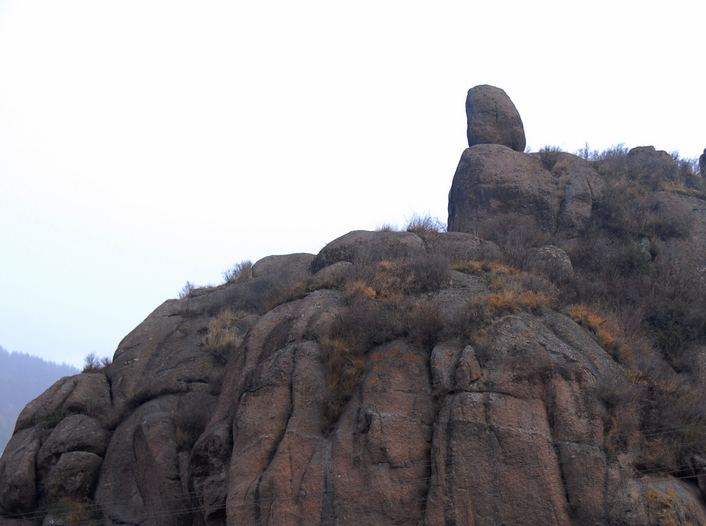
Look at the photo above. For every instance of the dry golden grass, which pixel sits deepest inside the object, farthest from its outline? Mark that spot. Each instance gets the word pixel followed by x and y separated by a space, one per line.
pixel 604 332
pixel 475 267
pixel 219 339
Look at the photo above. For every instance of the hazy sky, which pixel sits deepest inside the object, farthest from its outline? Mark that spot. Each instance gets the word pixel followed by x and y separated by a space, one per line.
pixel 146 143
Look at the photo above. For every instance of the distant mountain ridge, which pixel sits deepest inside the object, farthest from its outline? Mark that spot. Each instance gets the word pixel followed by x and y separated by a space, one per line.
pixel 22 379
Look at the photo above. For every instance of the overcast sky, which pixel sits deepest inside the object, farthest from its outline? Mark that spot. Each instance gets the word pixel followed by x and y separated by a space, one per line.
pixel 147 143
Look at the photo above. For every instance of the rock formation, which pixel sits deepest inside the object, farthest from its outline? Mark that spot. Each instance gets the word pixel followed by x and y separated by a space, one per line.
pixel 493 119
pixel 393 378
pixel 702 164
pixel 494 184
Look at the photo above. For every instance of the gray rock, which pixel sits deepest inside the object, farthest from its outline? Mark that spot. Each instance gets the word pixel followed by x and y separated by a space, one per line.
pixel 74 433
pixel 361 246
pixel 551 261
pixel 468 369
pixel 18 474
pixel 443 361
pixel 74 475
pixel 291 266
pixel 500 192
pixel 87 393
pixel 493 119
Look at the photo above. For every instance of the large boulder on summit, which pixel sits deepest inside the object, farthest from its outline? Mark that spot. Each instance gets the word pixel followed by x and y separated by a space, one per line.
pixel 497 191
pixel 493 118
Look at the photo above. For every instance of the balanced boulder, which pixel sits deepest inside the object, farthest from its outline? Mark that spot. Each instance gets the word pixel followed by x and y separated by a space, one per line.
pixel 493 118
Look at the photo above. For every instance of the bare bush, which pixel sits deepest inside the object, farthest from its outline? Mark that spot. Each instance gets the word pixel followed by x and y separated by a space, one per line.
pixel 425 226
pixel 239 273
pixel 426 323
pixel 93 363
pixel 186 290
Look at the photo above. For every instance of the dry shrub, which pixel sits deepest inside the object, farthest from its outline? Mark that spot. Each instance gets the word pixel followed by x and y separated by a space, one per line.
pixel 502 302
pixel 426 322
pixel 283 294
pixel 674 424
pixel 429 272
pixel 220 340
pixel 550 155
pixel 471 267
pixel 239 273
pixel 92 363
pixel 510 291
pixel 368 321
pixel 604 332
pixel 388 278
pixel 189 424
pixel 425 226
pixel 358 290
pixel 186 290
pixel 470 320
pixel 344 370
pixel 491 268
pixel 622 423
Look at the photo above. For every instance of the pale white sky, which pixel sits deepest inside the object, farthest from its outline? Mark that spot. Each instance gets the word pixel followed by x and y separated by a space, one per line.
pixel 147 143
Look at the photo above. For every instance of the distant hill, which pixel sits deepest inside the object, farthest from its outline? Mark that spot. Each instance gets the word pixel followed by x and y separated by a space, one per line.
pixel 22 379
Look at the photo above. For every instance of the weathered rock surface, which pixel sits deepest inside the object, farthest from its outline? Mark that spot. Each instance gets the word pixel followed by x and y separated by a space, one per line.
pixel 493 119
pixel 394 378
pixel 496 189
pixel 508 432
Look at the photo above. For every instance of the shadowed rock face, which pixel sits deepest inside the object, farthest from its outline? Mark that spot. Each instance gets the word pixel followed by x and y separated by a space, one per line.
pixel 433 431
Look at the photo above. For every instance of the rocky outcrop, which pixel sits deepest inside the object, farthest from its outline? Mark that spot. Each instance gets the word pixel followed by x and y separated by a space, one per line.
pixel 702 164
pixel 433 430
pixel 394 377
pixel 493 119
pixel 496 190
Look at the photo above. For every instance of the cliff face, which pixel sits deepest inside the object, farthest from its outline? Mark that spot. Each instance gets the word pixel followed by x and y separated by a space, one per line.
pixel 394 378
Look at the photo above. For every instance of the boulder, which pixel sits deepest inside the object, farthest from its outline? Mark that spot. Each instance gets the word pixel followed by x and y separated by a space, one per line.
pixel 649 153
pixel 702 164
pixel 18 474
pixel 499 192
pixel 493 182
pixel 550 261
pixel 291 266
pixel 74 475
pixel 362 246
pixel 87 393
pixel 75 433
pixel 493 119
pixel 144 476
